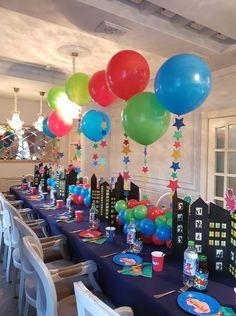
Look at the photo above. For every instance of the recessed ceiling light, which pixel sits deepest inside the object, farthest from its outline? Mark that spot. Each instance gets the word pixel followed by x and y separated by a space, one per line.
pixel 221 36
pixel 166 13
pixel 196 26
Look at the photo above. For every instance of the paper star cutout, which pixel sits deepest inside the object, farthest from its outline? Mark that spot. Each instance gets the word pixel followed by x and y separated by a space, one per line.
pixel 126 142
pixel 177 135
pixel 179 123
pixel 95 163
pixel 177 144
pixel 175 154
pixel 175 165
pixel 102 161
pixel 126 159
pixel 103 143
pixel 126 193
pixel 95 146
pixel 101 167
pixel 145 169
pixel 174 175
pixel 95 156
pixel 104 125
pixel 61 155
pixel 78 153
pixel 78 147
pixel 126 150
pixel 126 175
pixel 173 185
pixel 78 169
pixel 104 132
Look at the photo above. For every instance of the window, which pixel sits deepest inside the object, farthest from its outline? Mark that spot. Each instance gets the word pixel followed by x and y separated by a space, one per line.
pixel 27 144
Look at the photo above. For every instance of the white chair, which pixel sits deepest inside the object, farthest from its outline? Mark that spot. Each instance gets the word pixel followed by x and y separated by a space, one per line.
pixel 50 297
pixel 88 304
pixel 164 200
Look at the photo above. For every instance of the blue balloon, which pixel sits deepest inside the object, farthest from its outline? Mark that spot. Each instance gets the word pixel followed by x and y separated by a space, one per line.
pixel 163 232
pixel 121 218
pixel 77 190
pixel 72 188
pixel 46 130
pixel 87 200
pixel 49 181
pixel 125 228
pixel 183 83
pixel 95 125
pixel 84 192
pixel 137 224
pixel 147 227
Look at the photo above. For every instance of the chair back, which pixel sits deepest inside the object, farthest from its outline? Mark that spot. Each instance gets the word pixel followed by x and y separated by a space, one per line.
pixel 12 211
pixel 89 304
pixel 34 267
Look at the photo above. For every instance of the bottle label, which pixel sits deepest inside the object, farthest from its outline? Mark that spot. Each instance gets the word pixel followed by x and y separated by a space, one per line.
pixel 201 281
pixel 130 237
pixel 190 267
pixel 137 246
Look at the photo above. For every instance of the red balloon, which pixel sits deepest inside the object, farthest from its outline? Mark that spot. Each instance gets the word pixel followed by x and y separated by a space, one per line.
pixel 86 186
pixel 81 199
pixel 75 198
pixel 168 243
pixel 153 212
pixel 145 202
pixel 157 241
pixel 127 74
pixel 132 203
pixel 57 126
pixel 147 239
pixel 99 90
pixel 118 221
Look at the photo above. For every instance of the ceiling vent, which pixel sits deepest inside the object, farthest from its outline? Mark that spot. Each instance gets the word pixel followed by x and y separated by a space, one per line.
pixel 221 36
pixel 109 28
pixel 196 26
pixel 166 13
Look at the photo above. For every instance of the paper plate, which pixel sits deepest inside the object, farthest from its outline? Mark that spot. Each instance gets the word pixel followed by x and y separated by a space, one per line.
pixel 90 233
pixel 198 303
pixel 127 259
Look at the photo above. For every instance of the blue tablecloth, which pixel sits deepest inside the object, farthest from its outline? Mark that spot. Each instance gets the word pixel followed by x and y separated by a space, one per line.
pixel 136 292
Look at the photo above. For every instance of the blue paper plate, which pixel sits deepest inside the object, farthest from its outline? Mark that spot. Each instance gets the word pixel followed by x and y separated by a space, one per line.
pixel 127 259
pixel 198 303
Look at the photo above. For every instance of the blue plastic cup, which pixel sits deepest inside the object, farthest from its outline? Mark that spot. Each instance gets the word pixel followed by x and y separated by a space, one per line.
pixel 110 233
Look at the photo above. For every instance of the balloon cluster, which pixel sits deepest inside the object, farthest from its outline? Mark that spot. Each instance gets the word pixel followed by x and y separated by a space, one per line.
pixel 155 224
pixel 81 194
pixel 51 184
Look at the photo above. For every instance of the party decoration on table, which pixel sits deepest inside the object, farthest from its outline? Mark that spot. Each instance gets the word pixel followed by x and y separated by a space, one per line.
pixel 127 259
pixel 127 74
pixel 46 129
pixel 77 88
pixel 144 119
pixel 181 73
pixel 105 197
pixel 143 269
pixel 126 159
pixel 176 154
pixel 90 233
pixel 99 90
pixel 95 125
pixel 81 194
pixel 230 200
pixel 198 303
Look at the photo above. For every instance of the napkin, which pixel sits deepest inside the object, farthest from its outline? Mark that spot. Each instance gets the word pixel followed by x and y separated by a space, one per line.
pixel 144 269
pixel 99 240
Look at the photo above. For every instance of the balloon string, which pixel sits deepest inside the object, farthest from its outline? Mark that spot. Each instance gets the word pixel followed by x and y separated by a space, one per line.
pixel 145 166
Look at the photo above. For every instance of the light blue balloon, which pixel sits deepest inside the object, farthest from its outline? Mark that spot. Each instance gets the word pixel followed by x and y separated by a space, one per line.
pixel 95 125
pixel 77 190
pixel 72 188
pixel 84 192
pixel 87 200
pixel 46 130
pixel 183 83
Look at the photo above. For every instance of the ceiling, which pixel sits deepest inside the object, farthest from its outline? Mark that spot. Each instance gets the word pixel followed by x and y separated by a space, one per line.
pixel 36 36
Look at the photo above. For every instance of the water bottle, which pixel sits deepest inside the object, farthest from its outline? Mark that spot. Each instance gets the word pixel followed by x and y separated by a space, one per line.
pixel 92 216
pixel 190 264
pixel 131 235
pixel 53 197
pixel 68 202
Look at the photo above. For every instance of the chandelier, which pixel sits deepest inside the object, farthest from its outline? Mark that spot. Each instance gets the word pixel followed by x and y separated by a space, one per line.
pixel 15 123
pixel 39 123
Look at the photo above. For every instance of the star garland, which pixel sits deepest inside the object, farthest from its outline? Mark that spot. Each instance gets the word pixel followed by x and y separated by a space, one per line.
pixel 126 160
pixel 145 169
pixel 176 154
pixel 78 150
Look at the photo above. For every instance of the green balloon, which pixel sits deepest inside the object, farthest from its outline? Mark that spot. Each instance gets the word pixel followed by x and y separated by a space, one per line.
pixel 54 95
pixel 128 214
pixel 160 220
pixel 120 205
pixel 77 88
pixel 169 214
pixel 144 119
pixel 140 212
pixel 169 222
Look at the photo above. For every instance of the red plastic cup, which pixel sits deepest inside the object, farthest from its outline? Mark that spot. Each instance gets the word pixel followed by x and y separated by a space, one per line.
pixel 157 261
pixel 59 203
pixel 78 216
pixel 33 190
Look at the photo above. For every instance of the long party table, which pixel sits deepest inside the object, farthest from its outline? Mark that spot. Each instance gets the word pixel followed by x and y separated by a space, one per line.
pixel 133 291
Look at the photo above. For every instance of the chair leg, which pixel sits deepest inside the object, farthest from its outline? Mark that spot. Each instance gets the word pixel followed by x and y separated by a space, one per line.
pixel 14 280
pixel 5 257
pixel 26 308
pixel 8 268
pixel 1 243
pixel 21 298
